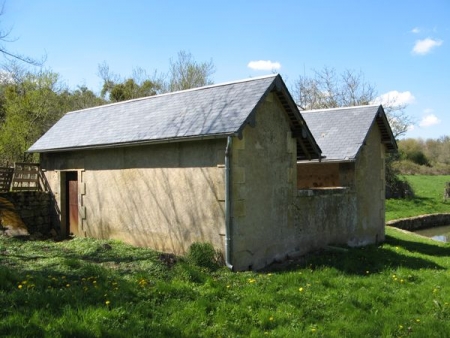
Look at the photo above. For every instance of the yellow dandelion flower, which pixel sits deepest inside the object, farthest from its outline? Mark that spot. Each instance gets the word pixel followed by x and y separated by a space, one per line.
pixel 271 318
pixel 107 302
pixel 20 286
pixel 418 320
pixel 300 289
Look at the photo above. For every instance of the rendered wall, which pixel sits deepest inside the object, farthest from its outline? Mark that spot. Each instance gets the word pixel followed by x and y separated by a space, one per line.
pixel 264 184
pixel 323 217
pixel 160 196
pixel 370 189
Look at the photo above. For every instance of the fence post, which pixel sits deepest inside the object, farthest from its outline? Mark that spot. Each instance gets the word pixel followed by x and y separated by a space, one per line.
pixel 447 191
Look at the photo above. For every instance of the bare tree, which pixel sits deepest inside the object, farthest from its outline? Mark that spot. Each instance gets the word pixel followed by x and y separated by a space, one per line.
pixel 330 90
pixel 8 54
pixel 185 72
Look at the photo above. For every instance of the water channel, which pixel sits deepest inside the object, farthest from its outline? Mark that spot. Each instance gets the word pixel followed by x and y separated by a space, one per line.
pixel 441 234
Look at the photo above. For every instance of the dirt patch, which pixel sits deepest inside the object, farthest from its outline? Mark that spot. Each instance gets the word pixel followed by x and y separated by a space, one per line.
pixel 10 222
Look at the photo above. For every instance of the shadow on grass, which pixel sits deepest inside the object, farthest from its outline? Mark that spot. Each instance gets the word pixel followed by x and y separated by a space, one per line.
pixel 373 258
pixel 423 248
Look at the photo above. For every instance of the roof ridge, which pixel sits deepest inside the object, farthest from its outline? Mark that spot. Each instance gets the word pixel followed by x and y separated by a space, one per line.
pixel 177 92
pixel 340 108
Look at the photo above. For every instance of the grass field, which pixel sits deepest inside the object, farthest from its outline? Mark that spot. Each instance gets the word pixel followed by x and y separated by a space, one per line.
pixel 93 288
pixel 428 190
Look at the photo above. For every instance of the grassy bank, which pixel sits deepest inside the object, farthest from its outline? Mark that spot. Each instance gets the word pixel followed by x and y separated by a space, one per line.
pixel 91 288
pixel 428 198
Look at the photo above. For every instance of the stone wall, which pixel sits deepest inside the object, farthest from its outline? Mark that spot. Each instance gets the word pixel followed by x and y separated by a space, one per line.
pixel 421 222
pixel 34 209
pixel 162 196
pixel 324 217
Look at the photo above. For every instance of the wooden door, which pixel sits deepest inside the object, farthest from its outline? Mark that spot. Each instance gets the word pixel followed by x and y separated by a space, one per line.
pixel 72 203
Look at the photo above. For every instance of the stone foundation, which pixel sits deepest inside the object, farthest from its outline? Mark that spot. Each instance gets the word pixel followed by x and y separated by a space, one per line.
pixel 421 222
pixel 33 208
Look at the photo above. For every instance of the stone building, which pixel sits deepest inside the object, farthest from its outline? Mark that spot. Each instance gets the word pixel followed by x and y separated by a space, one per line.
pixel 346 189
pixel 215 164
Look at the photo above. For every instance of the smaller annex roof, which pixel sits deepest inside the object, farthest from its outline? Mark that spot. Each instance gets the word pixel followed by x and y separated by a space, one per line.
pixel 340 132
pixel 206 112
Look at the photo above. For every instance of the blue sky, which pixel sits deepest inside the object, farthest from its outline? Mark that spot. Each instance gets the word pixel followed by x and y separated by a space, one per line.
pixel 402 47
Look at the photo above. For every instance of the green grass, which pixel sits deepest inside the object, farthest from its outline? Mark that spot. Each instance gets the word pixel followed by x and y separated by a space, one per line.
pixel 428 190
pixel 92 288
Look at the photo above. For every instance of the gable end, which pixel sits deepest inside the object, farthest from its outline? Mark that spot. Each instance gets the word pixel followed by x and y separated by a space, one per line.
pixel 387 137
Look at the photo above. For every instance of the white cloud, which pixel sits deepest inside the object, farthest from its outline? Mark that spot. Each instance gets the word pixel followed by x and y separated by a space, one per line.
pixel 425 46
pixel 264 65
pixel 394 98
pixel 429 120
pixel 415 30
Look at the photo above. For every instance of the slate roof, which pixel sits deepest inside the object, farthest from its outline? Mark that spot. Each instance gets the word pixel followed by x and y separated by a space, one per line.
pixel 212 111
pixel 340 132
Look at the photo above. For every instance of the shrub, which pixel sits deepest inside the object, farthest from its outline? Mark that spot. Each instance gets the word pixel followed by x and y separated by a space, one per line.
pixel 203 255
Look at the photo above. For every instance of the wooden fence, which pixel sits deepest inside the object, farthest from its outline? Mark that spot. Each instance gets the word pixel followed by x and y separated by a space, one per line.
pixel 23 177
pixel 6 175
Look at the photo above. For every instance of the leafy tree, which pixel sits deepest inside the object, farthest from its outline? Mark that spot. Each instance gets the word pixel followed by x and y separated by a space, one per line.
pixel 186 73
pixel 82 98
pixel 438 150
pixel 413 150
pixel 140 84
pixel 31 106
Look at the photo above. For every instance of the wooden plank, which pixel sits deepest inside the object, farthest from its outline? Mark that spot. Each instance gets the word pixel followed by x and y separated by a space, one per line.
pixel 26 177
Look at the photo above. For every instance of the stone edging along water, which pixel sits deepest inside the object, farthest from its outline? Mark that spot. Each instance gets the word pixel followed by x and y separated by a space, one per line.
pixel 421 222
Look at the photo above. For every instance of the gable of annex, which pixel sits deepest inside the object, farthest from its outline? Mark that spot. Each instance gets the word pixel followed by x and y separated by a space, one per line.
pixel 341 133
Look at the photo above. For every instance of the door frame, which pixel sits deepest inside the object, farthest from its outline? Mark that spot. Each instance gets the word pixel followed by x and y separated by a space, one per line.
pixel 66 177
